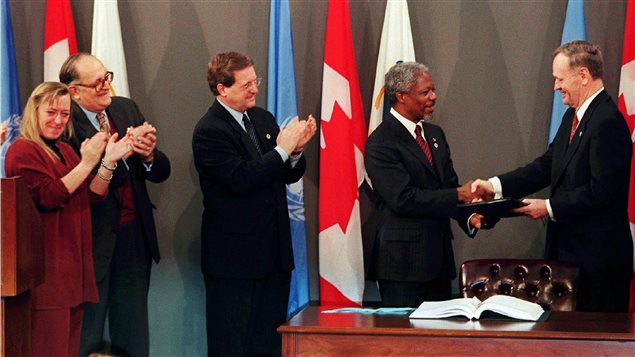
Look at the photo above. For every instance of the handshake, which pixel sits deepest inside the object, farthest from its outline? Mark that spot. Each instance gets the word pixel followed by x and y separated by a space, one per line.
pixel 483 190
pixel 477 191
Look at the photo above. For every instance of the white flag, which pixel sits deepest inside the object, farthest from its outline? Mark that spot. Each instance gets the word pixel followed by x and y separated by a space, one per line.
pixel 396 45
pixel 107 44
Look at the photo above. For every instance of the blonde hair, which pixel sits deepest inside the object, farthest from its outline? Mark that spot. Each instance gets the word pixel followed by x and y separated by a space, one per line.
pixel 46 92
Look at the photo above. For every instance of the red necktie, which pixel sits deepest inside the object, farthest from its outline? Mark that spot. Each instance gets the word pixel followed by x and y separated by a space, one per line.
pixel 423 144
pixel 574 126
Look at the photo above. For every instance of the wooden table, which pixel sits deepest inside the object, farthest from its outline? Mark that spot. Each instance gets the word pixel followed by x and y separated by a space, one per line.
pixel 311 333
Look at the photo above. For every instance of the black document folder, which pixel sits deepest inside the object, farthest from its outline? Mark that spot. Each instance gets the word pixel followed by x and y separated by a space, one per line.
pixel 500 208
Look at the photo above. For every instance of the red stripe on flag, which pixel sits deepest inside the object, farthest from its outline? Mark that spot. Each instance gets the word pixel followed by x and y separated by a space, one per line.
pixel 628 51
pixel 343 134
pixel 627 89
pixel 331 296
pixel 59 24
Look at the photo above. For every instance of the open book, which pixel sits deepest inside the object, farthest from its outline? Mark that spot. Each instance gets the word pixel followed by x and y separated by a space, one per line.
pixel 473 308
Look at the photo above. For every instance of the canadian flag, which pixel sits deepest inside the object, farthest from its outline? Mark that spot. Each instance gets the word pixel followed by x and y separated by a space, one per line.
pixel 59 37
pixel 626 104
pixel 342 138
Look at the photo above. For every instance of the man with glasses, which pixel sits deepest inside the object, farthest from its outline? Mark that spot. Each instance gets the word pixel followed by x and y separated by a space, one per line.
pixel 244 161
pixel 124 234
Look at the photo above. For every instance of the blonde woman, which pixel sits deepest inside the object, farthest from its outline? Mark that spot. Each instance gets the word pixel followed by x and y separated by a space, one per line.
pixel 61 186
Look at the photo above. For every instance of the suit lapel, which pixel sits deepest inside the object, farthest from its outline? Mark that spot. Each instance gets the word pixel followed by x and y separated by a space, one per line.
pixel 263 131
pixel 563 156
pixel 244 138
pixel 118 118
pixel 434 139
pixel 409 142
pixel 81 124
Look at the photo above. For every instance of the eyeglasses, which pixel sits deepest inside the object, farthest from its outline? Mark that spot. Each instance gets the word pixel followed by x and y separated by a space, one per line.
pixel 256 82
pixel 101 82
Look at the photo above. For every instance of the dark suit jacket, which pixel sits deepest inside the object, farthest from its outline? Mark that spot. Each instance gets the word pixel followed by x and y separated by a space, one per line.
pixel 245 230
pixel 105 215
pixel 413 204
pixel 589 182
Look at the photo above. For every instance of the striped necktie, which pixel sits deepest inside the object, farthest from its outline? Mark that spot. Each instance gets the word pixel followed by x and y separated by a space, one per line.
pixel 103 126
pixel 252 133
pixel 574 126
pixel 423 144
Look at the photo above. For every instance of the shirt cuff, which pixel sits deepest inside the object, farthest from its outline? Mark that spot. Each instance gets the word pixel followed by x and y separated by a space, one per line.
pixel 548 203
pixel 498 187
pixel 294 159
pixel 283 154
pixel 471 230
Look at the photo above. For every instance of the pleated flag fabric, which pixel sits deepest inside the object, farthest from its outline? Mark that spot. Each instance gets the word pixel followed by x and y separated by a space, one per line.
pixel 59 37
pixel 282 102
pixel 396 46
pixel 574 29
pixel 342 138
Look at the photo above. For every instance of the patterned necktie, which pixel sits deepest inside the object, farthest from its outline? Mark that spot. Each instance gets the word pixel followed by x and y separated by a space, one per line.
pixel 574 126
pixel 103 126
pixel 423 144
pixel 252 133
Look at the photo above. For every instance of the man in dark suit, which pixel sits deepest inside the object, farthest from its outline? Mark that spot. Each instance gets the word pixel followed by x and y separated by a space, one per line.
pixel 244 161
pixel 416 193
pixel 587 168
pixel 124 234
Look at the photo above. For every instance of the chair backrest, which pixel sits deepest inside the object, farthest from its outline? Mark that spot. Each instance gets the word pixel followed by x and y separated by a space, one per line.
pixel 551 284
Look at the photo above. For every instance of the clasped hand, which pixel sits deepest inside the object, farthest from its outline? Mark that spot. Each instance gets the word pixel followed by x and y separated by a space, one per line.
pixel 293 137
pixel 470 192
pixel 484 190
pixel 91 149
pixel 143 140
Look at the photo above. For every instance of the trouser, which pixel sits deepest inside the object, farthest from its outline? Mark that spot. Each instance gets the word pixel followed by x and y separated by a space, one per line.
pixel 123 296
pixel 412 294
pixel 243 314
pixel 604 294
pixel 55 332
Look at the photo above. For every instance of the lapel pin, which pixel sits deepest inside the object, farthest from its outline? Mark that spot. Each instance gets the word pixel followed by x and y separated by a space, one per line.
pixel 268 136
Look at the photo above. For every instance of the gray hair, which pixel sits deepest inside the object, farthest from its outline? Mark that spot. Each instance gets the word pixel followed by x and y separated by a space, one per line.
pixel 583 54
pixel 401 78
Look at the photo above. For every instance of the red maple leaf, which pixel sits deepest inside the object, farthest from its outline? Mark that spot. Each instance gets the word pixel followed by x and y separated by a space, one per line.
pixel 338 177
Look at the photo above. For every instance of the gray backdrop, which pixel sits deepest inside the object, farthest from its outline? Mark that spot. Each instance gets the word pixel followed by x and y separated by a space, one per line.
pixel 490 60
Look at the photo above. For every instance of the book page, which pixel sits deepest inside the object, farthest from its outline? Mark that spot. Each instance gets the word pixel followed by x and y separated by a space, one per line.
pixel 439 309
pixel 510 306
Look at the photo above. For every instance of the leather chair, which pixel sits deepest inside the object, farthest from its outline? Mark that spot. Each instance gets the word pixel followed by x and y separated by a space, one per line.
pixel 551 284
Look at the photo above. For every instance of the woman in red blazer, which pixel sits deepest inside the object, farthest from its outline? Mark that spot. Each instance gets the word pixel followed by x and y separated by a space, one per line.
pixel 61 186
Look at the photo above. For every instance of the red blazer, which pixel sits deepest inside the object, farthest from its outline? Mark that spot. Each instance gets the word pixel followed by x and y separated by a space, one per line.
pixel 69 279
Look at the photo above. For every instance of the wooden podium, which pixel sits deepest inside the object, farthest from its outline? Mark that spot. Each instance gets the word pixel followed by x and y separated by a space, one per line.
pixel 22 265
